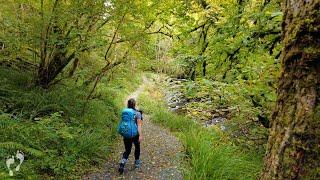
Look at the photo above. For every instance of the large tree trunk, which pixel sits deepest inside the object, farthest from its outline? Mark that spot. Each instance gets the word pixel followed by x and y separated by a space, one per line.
pixel 48 72
pixel 293 150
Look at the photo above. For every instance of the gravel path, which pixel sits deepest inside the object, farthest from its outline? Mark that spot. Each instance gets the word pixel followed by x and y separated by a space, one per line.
pixel 160 154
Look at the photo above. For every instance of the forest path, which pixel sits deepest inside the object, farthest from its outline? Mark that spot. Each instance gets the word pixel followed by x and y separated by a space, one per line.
pixel 160 152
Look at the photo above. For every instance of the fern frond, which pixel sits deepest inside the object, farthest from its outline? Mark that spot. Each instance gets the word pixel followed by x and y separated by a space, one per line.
pixel 18 146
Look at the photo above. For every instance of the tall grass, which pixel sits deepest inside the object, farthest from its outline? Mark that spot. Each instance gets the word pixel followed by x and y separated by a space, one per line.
pixel 208 152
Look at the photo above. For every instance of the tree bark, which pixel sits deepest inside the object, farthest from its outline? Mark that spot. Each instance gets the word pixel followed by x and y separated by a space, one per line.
pixel 293 150
pixel 204 66
pixel 48 72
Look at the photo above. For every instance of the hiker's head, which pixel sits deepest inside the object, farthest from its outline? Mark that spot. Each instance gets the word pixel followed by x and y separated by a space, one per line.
pixel 132 103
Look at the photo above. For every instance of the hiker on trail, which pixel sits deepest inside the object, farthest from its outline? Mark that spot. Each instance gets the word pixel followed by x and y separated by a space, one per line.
pixel 130 129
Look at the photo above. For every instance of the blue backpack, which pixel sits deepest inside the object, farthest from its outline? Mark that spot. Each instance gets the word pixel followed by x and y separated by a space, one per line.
pixel 128 127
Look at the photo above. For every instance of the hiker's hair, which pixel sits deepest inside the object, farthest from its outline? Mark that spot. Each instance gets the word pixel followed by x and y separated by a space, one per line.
pixel 132 103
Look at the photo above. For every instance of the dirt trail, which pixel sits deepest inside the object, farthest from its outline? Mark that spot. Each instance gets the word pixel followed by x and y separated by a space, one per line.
pixel 160 153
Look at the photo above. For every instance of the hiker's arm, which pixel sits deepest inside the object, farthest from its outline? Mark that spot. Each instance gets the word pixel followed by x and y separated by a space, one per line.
pixel 139 122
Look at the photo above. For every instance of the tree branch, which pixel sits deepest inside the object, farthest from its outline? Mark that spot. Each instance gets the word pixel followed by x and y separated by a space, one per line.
pixel 114 35
pixel 161 32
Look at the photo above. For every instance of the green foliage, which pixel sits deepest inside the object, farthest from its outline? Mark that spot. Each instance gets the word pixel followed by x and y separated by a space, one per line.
pixel 41 27
pixel 233 37
pixel 50 35
pixel 212 160
pixel 59 131
pixel 209 153
pixel 230 49
pixel 241 103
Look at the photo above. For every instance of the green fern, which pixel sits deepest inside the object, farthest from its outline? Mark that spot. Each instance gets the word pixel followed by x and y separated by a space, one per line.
pixel 18 146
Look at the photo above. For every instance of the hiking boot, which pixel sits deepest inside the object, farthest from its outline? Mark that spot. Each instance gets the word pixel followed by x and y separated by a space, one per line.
pixel 137 164
pixel 121 165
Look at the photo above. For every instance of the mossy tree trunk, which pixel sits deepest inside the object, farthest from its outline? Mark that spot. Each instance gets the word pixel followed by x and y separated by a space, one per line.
pixel 54 56
pixel 47 72
pixel 293 150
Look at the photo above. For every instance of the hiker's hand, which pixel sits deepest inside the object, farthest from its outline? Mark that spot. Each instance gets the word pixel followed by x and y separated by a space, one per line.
pixel 140 138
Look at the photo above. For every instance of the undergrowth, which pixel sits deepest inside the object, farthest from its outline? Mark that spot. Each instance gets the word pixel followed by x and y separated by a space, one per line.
pixel 61 133
pixel 209 153
pixel 246 109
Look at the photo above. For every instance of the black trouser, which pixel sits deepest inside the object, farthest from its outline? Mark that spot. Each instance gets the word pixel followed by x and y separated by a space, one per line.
pixel 128 145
